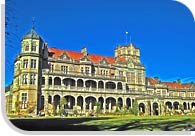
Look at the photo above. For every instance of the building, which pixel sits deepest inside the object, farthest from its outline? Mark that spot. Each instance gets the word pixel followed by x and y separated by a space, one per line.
pixel 43 76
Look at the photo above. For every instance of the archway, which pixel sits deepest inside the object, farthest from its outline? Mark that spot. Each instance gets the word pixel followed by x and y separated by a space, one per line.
pixel 155 108
pixel 49 99
pixel 142 107
pixel 185 106
pixel 101 100
pixel 80 83
pixel 176 105
pixel 69 82
pixel 120 102
pixel 91 83
pixel 128 102
pixel 56 102
pixel 193 105
pixel 80 101
pixel 100 84
pixel 168 105
pixel 110 104
pixel 50 81
pixel 110 85
pixel 90 103
pixel 70 102
pixel 119 86
pixel 57 81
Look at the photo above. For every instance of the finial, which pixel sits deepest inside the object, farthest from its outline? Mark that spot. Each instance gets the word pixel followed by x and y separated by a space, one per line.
pixel 126 36
pixel 33 22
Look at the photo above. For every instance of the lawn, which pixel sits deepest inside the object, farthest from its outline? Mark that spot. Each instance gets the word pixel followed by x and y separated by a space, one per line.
pixel 107 123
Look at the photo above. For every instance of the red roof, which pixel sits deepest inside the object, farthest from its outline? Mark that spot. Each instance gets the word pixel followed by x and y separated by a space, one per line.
pixel 176 85
pixel 78 55
pixel 152 80
pixel 56 52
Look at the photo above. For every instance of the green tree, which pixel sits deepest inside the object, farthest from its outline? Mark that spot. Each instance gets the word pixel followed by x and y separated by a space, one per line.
pixel 134 110
pixel 62 103
pixel 117 107
pixel 98 107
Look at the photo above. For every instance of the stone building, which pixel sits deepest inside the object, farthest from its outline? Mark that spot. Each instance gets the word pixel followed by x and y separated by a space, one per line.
pixel 43 76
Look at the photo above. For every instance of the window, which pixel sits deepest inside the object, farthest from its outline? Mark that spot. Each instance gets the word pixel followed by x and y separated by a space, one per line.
pixel 24 100
pixel 27 48
pixel 33 63
pixel 87 70
pixel 25 63
pixel 106 72
pixel 120 73
pixel 32 78
pixel 25 79
pixel 51 67
pixel 64 69
pixel 139 78
pixel 33 47
pixel 82 70
pixel 132 78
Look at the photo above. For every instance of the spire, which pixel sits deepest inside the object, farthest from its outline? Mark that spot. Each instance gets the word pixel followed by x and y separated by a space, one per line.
pixel 32 33
pixel 33 23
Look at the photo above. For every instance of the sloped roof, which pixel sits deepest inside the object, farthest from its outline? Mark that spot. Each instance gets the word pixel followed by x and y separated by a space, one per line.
pixel 78 55
pixel 32 34
pixel 176 85
pixel 152 80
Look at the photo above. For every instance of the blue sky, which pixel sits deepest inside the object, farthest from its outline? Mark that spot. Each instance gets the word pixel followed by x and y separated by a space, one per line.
pixel 164 31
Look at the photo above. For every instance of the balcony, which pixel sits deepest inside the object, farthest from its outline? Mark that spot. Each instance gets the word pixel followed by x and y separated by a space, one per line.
pixel 84 75
pixel 81 89
pixel 91 89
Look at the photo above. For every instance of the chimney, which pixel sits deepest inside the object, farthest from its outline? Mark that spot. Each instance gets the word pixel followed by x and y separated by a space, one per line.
pixel 84 50
pixel 156 78
pixel 179 81
pixel 46 43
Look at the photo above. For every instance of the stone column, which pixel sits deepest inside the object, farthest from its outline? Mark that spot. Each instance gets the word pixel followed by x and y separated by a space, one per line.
pixel 131 102
pixel 124 102
pixel 84 105
pixel 110 106
pixel 104 106
pixel 151 105
pixel 90 106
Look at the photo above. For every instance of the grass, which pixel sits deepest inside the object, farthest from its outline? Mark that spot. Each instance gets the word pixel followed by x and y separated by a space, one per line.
pixel 107 123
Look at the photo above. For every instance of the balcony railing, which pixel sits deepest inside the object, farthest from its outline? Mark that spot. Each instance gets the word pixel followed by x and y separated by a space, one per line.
pixel 84 75
pixel 91 89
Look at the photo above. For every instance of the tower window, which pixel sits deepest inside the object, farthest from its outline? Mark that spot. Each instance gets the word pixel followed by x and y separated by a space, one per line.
pixel 32 78
pixel 25 63
pixel 33 63
pixel 33 48
pixel 25 79
pixel 27 48
pixel 24 101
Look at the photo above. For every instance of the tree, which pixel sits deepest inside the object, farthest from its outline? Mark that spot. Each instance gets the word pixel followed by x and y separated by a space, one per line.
pixel 62 103
pixel 98 107
pixel 134 110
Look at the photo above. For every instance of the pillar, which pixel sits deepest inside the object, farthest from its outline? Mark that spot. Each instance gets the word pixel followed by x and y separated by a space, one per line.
pixel 110 105
pixel 104 105
pixel 84 105
pixel 131 102
pixel 151 106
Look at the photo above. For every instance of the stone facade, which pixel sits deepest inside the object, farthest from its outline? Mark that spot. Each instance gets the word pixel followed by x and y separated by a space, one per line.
pixel 43 76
